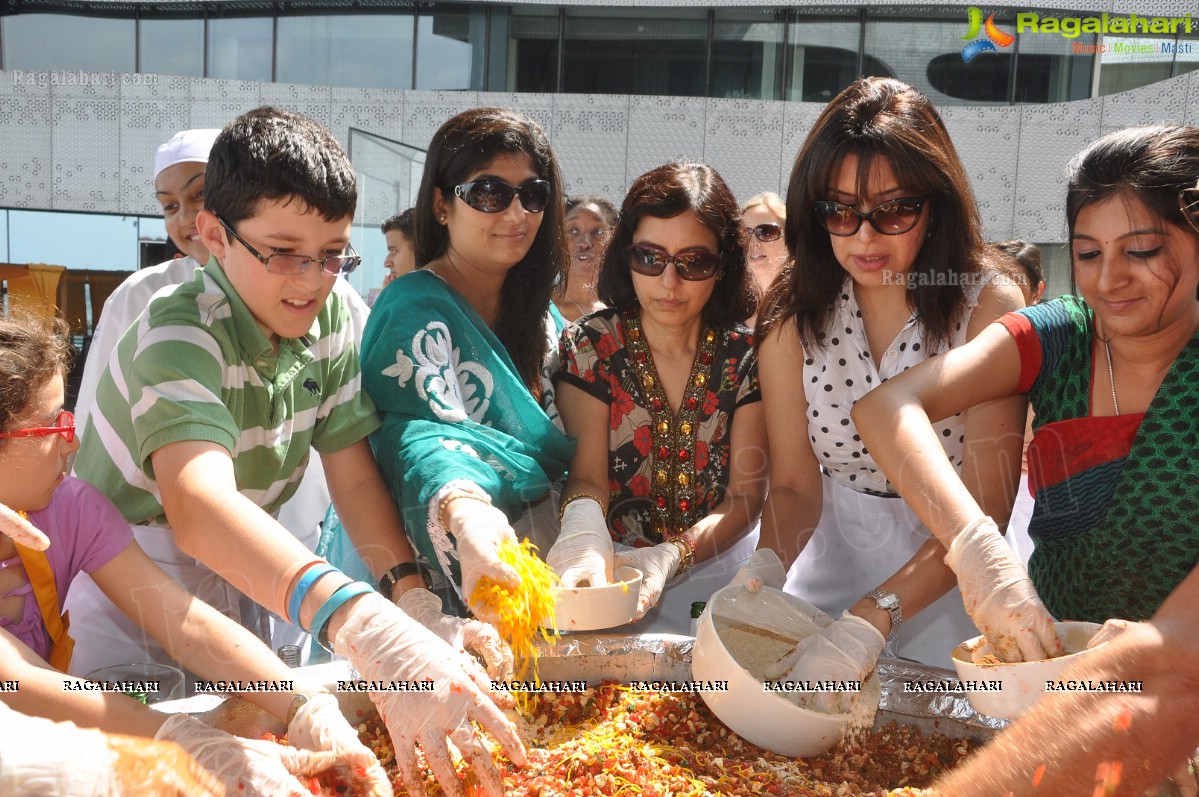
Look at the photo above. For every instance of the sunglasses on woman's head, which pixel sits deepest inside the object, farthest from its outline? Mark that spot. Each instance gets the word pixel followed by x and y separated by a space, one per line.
pixel 1188 203
pixel 693 264
pixel 893 217
pixel 766 232
pixel 64 425
pixel 491 195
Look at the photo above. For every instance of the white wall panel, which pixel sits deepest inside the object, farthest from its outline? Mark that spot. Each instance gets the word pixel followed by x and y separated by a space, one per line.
pixel 1049 136
pixel 26 156
pixel 661 130
pixel 425 111
pixel 146 124
pixel 591 141
pixel 86 137
pixel 744 142
pixel 988 142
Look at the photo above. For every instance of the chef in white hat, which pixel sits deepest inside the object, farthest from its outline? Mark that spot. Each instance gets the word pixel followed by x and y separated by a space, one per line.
pixel 103 635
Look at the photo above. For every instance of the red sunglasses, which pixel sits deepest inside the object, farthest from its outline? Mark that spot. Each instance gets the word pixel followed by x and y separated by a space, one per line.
pixel 64 425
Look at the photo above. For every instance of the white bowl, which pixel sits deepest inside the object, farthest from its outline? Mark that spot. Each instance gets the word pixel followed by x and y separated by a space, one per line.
pixel 768 719
pixel 596 608
pixel 1022 683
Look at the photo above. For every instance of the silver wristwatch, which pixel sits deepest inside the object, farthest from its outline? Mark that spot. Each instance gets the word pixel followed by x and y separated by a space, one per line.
pixel 888 602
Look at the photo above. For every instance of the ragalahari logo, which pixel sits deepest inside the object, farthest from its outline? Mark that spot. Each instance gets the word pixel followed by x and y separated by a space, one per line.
pixel 995 36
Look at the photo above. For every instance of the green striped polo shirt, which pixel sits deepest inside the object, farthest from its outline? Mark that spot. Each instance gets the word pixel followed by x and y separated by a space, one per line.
pixel 197 366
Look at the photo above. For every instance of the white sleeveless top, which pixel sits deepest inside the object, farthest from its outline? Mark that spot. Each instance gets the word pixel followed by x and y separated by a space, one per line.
pixel 839 374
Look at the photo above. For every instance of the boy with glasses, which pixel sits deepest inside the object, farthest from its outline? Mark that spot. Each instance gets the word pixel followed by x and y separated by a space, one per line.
pixel 205 416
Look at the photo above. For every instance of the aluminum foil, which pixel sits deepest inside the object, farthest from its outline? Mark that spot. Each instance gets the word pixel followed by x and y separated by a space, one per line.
pixel 625 658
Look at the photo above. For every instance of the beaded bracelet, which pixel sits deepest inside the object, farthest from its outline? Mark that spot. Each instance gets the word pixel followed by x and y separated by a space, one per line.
pixel 310 577
pixel 445 502
pixel 575 497
pixel 351 589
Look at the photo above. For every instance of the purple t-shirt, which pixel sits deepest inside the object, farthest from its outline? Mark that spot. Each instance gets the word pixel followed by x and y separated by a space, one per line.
pixel 86 531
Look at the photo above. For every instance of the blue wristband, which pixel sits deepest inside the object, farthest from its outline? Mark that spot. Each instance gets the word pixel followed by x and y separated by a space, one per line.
pixel 343 594
pixel 310 577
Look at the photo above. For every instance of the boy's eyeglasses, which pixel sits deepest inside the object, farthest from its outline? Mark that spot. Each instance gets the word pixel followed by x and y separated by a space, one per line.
pixel 1188 203
pixel 893 217
pixel 298 264
pixel 767 232
pixel 64 425
pixel 693 265
pixel 490 195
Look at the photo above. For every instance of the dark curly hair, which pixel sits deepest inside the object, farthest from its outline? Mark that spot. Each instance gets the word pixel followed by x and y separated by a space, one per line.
pixel 664 193
pixel 878 118
pixel 462 146
pixel 32 350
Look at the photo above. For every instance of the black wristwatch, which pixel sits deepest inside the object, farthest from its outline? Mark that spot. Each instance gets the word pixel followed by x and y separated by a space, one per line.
pixel 888 602
pixel 401 571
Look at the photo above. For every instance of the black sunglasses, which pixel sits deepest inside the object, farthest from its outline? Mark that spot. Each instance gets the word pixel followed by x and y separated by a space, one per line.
pixel 893 217
pixel 491 195
pixel 693 264
pixel 767 232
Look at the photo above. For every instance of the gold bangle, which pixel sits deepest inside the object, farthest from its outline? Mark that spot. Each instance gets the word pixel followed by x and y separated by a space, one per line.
pixel 686 553
pixel 453 496
pixel 575 497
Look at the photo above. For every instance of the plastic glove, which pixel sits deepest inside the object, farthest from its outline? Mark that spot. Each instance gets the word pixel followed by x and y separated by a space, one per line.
pixel 657 565
pixel 582 554
pixel 383 643
pixel 845 650
pixel 763 569
pixel 21 530
pixel 320 725
pixel 57 759
pixel 999 596
pixel 246 766
pixel 479 528
pixel 473 636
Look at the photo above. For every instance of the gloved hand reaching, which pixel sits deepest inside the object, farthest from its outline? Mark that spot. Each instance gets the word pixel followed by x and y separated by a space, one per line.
pixel 383 644
pixel 582 554
pixel 999 596
pixel 763 569
pixel 846 650
pixel 479 528
pixel 320 725
pixel 472 636
pixel 245 766
pixel 657 564
pixel 58 759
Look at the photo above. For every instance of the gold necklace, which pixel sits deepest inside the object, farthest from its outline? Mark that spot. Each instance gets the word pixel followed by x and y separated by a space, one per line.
pixel 1111 378
pixel 674 496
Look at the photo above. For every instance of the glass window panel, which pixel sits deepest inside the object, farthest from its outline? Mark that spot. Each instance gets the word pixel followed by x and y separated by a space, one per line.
pixel 747 53
pixel 96 241
pixel 1052 68
pixel 239 48
pixel 927 53
pixel 532 49
pixel 172 46
pixel 451 43
pixel 1128 62
pixel 824 57
pixel 1186 55
pixel 63 42
pixel 367 50
pixel 635 51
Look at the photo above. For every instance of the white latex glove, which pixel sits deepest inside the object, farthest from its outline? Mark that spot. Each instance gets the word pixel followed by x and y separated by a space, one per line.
pixel 472 636
pixel 583 551
pixel 245 766
pixel 763 569
pixel 21 530
pixel 999 596
pixel 43 758
pixel 479 528
pixel 846 650
pixel 320 725
pixel 657 565
pixel 384 644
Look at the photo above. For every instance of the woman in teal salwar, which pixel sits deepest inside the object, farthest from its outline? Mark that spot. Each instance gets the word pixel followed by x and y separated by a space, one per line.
pixel 454 354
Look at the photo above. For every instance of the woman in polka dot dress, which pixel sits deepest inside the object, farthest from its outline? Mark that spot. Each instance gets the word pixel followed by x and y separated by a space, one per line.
pixel 890 270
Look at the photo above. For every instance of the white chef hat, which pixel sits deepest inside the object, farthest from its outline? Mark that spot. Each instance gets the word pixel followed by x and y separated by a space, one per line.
pixel 186 146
